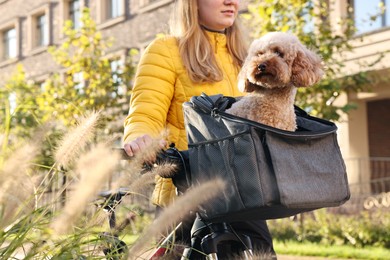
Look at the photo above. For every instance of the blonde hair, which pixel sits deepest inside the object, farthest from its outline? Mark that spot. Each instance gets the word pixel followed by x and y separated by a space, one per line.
pixel 194 46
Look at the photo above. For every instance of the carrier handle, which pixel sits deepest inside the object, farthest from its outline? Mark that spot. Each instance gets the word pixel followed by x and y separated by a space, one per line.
pixel 218 103
pixel 210 104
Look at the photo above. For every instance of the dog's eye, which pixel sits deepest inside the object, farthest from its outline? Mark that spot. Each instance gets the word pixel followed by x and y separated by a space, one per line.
pixel 279 53
pixel 260 53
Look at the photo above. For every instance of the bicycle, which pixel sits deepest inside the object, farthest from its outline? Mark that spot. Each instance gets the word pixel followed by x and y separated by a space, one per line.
pixel 207 240
pixel 113 247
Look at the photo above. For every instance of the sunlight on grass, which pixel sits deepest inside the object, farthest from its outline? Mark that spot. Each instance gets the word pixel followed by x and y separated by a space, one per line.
pixel 334 251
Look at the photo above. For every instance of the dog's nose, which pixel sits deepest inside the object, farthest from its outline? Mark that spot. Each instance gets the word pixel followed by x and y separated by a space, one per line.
pixel 262 67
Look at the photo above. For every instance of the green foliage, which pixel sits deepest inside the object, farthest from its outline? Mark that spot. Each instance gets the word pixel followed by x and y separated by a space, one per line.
pixel 26 105
pixel 90 83
pixel 329 252
pixel 18 114
pixel 310 21
pixel 43 112
pixel 329 229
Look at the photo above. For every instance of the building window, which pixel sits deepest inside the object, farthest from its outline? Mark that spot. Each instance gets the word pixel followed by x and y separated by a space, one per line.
pixel 119 80
pixel 117 70
pixel 110 12
pixel 39 29
pixel 42 38
pixel 70 10
pixel 75 13
pixel 10 41
pixel 370 15
pixel 9 44
pixel 114 8
pixel 41 85
pixel 12 102
pixel 79 81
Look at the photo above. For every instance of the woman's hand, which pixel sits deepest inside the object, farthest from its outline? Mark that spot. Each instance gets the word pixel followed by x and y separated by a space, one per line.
pixel 141 144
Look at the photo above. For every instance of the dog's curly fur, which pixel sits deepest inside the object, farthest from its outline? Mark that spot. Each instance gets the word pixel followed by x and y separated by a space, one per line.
pixel 276 65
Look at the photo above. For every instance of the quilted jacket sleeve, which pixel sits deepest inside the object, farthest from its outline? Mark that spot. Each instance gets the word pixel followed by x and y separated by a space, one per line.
pixel 152 92
pixel 149 104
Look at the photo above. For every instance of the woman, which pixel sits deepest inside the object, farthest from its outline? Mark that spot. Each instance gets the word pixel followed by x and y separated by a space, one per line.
pixel 203 54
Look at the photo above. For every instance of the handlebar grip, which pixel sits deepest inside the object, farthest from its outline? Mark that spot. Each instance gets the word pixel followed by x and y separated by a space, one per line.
pixel 170 155
pixel 122 153
pixel 182 177
pixel 109 193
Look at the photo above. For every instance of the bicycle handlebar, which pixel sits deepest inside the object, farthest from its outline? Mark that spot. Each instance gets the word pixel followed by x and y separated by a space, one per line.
pixel 181 177
pixel 170 155
pixel 122 153
pixel 108 193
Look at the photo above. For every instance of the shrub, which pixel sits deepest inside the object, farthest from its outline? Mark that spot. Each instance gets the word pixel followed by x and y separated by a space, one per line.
pixel 364 229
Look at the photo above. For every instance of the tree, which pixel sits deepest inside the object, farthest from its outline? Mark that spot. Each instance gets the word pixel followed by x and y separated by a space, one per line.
pixel 18 114
pixel 90 83
pixel 60 101
pixel 309 20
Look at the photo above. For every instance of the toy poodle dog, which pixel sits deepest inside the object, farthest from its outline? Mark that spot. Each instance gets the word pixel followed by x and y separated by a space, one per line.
pixel 276 65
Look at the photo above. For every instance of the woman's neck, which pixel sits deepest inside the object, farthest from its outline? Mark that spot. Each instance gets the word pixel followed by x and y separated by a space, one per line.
pixel 211 30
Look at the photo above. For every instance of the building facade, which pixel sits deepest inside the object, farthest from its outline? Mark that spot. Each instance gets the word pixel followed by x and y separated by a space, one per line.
pixel 28 27
pixel 364 132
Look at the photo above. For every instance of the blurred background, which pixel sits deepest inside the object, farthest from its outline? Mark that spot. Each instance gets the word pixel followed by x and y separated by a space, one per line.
pixel 61 59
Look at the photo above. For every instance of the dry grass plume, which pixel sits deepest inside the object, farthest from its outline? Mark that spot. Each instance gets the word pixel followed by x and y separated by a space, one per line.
pixel 15 181
pixel 15 168
pixel 94 168
pixel 73 143
pixel 134 166
pixel 176 212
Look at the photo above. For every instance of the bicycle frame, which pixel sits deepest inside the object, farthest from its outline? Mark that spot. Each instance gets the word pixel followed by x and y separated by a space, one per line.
pixel 114 247
pixel 206 239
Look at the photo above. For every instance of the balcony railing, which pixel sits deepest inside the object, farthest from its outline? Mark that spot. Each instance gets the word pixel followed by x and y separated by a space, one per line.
pixel 369 182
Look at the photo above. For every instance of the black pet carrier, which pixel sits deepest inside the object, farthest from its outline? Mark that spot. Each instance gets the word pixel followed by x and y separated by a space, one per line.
pixel 269 173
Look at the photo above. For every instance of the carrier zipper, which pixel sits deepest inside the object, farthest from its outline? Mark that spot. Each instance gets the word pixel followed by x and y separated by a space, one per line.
pixel 276 130
pixel 220 139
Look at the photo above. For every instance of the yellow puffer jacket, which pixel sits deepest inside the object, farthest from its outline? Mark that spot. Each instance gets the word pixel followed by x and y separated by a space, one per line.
pixel 160 88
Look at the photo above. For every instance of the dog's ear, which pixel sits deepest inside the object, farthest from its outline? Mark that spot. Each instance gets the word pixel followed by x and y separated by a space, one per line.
pixel 244 85
pixel 307 68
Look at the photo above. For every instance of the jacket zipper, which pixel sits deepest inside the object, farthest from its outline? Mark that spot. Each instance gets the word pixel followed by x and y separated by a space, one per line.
pixel 216 43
